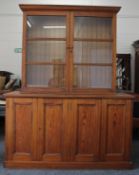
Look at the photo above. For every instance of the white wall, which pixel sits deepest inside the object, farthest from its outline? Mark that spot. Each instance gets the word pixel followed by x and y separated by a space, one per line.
pixel 11 28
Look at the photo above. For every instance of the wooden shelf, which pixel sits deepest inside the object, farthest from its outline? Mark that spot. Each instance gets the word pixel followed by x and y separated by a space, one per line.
pixel 93 64
pixel 60 63
pixel 46 39
pixel 75 39
pixel 43 63
pixel 93 39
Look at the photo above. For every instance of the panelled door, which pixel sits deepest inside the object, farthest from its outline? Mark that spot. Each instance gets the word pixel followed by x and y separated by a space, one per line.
pixel 88 119
pixel 21 132
pixel 50 125
pixel 117 117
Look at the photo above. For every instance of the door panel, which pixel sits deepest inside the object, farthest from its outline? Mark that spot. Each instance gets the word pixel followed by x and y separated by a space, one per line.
pixel 22 129
pixel 116 117
pixel 22 138
pixel 88 130
pixel 50 125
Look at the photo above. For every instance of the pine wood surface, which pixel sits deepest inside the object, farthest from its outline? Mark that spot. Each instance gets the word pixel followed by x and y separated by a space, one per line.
pixel 113 95
pixel 69 127
pixel 51 130
pixel 27 7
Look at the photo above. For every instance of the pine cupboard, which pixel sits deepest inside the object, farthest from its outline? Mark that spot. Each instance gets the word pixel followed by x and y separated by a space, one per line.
pixel 67 113
pixel 82 132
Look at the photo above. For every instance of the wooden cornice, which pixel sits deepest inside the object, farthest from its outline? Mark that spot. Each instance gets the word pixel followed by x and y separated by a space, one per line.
pixel 34 7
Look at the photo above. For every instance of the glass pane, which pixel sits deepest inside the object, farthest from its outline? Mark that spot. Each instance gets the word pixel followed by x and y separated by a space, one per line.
pixel 92 76
pixel 93 27
pixel 46 76
pixel 48 51
pixel 92 52
pixel 46 26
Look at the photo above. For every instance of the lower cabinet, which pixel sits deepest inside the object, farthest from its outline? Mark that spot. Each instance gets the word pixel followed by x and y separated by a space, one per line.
pixel 89 133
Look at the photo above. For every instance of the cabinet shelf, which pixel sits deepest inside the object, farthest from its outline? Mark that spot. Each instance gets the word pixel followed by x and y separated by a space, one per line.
pixel 44 63
pixel 92 64
pixel 75 39
pixel 46 39
pixel 93 40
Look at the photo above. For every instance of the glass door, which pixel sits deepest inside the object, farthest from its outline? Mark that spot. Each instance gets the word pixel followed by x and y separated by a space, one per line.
pixel 46 51
pixel 92 60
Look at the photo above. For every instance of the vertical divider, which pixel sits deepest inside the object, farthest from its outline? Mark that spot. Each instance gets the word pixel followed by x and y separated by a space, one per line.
pixel 9 123
pixel 114 53
pixel 69 130
pixel 34 129
pixel 71 47
pixel 24 43
pixel 67 72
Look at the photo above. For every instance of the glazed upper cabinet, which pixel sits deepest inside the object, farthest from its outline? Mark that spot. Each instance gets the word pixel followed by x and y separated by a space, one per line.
pixel 69 49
